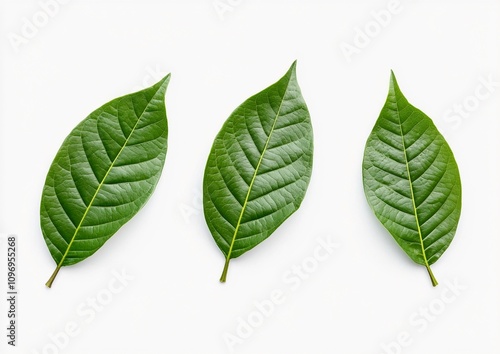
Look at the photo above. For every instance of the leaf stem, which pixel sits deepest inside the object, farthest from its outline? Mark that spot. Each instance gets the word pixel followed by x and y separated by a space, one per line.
pixel 433 279
pixel 53 276
pixel 224 272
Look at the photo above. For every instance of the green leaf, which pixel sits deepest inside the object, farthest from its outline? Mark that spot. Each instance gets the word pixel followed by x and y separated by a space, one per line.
pixel 411 180
pixel 104 172
pixel 259 168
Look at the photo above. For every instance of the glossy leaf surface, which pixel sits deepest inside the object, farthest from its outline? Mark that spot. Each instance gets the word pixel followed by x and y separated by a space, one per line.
pixel 259 168
pixel 104 172
pixel 411 180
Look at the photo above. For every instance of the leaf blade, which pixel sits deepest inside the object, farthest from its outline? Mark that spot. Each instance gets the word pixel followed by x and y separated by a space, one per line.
pixel 265 138
pixel 88 194
pixel 411 180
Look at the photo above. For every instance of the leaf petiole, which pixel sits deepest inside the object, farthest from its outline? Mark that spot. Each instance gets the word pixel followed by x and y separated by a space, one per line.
pixel 53 276
pixel 433 279
pixel 224 271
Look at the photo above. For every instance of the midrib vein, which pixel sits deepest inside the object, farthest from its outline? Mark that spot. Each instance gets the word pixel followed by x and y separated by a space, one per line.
pixel 411 185
pixel 103 180
pixel 255 176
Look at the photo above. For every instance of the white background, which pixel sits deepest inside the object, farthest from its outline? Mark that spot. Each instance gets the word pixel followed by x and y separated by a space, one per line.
pixel 367 293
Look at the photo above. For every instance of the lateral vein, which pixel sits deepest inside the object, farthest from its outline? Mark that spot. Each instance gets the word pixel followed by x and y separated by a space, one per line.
pixel 255 174
pixel 102 183
pixel 411 184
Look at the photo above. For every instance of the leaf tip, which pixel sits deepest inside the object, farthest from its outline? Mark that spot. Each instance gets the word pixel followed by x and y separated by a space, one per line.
pixel 393 77
pixel 161 86
pixel 165 80
pixel 394 83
